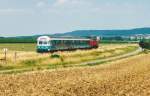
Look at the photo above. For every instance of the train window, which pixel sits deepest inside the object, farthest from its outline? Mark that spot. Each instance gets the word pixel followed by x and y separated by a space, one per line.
pixel 57 42
pixel 61 41
pixel 81 42
pixel 68 42
pixel 53 42
pixel 75 42
pixel 40 42
pixel 45 42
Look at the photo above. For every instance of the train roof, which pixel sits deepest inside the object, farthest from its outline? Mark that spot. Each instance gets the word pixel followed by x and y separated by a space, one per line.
pixel 62 38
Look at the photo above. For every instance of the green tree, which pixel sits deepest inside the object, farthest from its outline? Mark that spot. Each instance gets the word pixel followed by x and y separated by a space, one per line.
pixel 145 44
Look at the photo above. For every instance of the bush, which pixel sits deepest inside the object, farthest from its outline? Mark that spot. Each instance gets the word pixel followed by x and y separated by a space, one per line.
pixel 145 44
pixel 55 56
pixel 146 51
pixel 29 62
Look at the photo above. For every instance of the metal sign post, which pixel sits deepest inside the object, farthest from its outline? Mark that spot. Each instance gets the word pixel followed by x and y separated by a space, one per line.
pixel 5 53
pixel 15 56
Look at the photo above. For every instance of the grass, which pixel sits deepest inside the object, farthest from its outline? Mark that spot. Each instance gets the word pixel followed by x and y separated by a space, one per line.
pixel 6 67
pixel 32 60
pixel 127 77
pixel 18 46
pixel 146 51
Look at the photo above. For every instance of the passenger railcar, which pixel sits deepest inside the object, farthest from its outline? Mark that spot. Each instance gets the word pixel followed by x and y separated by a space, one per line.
pixel 48 44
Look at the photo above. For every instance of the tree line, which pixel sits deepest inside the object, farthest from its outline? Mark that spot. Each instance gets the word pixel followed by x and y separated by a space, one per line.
pixel 32 39
pixel 17 40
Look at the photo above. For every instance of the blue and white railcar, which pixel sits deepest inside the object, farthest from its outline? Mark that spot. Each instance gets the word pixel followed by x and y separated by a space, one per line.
pixel 48 44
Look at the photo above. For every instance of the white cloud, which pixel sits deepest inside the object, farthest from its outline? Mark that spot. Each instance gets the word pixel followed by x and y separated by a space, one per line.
pixel 70 2
pixel 70 7
pixel 40 4
pixel 60 2
pixel 11 11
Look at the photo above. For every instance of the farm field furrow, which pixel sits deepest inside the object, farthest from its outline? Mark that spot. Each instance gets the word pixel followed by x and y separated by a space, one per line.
pixel 126 77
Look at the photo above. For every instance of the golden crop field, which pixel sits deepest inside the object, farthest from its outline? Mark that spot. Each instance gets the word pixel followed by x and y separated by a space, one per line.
pixel 126 77
pixel 30 59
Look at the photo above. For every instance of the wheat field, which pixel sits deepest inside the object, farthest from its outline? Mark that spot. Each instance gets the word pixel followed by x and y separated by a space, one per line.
pixel 126 77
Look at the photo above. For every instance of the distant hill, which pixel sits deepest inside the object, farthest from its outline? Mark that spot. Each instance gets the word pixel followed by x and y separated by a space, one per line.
pixel 78 33
pixel 109 33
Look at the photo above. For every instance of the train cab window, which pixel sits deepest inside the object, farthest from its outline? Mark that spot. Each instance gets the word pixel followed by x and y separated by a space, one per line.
pixel 45 43
pixel 40 42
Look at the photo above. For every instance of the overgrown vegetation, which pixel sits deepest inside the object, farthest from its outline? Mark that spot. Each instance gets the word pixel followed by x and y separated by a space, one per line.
pixel 55 56
pixel 145 44
pixel 33 60
pixel 30 62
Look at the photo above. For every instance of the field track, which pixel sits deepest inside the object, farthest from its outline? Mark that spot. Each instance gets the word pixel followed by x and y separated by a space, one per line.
pixel 127 77
pixel 113 58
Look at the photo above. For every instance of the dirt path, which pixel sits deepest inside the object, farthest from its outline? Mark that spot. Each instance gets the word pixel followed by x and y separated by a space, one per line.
pixel 127 77
pixel 112 58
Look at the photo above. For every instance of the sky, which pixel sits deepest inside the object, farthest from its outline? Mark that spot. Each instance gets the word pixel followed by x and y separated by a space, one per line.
pixel 31 17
